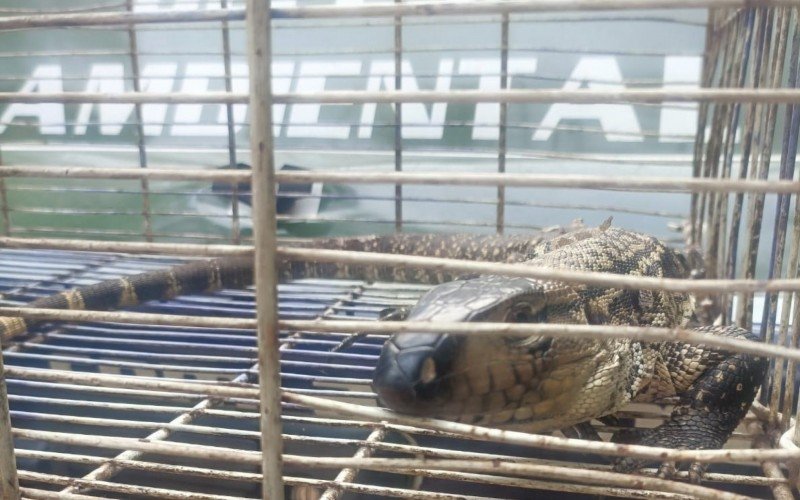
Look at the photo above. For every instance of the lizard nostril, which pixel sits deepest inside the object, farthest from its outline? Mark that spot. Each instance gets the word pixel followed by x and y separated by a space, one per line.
pixel 427 373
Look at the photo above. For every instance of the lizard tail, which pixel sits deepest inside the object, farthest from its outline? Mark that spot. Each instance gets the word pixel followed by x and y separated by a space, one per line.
pixel 237 272
pixel 163 284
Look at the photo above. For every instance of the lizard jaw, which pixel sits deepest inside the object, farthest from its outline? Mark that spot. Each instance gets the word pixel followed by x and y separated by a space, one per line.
pixel 408 376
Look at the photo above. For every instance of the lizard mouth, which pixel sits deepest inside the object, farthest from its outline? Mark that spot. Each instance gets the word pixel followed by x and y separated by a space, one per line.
pixel 411 374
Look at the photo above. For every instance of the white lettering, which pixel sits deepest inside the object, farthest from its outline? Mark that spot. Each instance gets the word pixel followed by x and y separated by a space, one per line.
pixel 281 83
pixel 46 78
pixel 312 77
pixel 612 117
pixel 192 113
pixel 157 78
pixel 618 122
pixel 489 71
pixel 422 125
pixel 239 83
pixel 106 78
pixel 680 72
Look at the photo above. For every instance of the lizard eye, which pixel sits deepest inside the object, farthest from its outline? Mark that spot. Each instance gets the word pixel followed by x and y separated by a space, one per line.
pixel 523 313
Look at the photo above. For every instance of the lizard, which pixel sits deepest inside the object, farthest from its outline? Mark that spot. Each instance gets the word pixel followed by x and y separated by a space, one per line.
pixel 535 384
pixel 539 383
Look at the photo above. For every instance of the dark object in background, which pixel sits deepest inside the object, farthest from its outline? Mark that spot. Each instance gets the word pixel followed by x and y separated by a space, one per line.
pixel 287 194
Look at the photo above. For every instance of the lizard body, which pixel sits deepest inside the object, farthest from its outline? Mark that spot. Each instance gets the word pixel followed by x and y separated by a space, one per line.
pixel 534 384
pixel 542 384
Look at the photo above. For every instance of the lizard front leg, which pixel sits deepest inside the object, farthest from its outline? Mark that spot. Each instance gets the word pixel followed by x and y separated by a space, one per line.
pixel 716 389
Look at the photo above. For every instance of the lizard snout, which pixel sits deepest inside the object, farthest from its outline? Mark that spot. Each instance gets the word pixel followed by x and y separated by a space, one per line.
pixel 411 373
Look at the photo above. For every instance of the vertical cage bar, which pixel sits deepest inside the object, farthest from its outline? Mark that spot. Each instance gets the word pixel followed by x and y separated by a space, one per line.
pixel 751 134
pixel 259 47
pixel 236 233
pixel 709 62
pixel 772 470
pixel 760 159
pixel 4 208
pixel 744 165
pixel 773 78
pixel 794 339
pixel 717 62
pixel 793 270
pixel 787 168
pixel 718 202
pixel 730 54
pixel 727 252
pixel 398 120
pixel 501 139
pixel 4 202
pixel 709 166
pixel 8 464
pixel 133 46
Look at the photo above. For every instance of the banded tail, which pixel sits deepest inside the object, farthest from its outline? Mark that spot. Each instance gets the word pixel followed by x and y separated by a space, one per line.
pixel 162 284
pixel 237 272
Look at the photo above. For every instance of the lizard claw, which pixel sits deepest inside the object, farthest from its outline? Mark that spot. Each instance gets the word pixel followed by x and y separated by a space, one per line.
pixel 647 437
pixel 626 465
pixel 654 437
pixel 667 470
pixel 696 472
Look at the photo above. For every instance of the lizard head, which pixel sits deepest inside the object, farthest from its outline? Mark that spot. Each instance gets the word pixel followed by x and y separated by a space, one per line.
pixel 478 378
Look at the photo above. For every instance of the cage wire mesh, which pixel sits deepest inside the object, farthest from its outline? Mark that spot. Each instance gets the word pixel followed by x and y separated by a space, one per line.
pixel 113 113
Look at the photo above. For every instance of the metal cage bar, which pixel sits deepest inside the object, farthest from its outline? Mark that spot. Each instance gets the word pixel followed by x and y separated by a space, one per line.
pixel 377 10
pixel 133 45
pixel 9 482
pixel 711 186
pixel 236 235
pixel 265 231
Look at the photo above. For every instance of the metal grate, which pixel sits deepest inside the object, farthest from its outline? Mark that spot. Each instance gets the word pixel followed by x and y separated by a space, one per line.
pixel 308 364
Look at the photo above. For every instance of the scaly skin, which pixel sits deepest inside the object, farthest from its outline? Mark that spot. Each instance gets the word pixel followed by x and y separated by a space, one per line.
pixel 715 389
pixel 537 383
pixel 534 384
pixel 543 384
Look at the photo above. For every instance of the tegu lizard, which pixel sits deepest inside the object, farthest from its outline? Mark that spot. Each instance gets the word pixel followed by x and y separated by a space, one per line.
pixel 533 384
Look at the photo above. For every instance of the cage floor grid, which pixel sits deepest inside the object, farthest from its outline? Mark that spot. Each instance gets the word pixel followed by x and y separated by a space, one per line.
pixel 310 364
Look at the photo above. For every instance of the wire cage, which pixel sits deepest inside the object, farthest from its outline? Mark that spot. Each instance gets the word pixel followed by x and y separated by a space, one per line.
pixel 113 113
